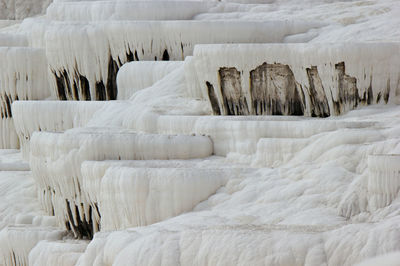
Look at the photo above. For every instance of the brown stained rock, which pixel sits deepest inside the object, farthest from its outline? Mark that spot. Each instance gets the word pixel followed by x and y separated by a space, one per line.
pixel 274 91
pixel 348 97
pixel 234 97
pixel 319 102
pixel 213 99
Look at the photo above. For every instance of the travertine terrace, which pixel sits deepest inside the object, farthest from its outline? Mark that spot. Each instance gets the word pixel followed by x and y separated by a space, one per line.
pixel 187 132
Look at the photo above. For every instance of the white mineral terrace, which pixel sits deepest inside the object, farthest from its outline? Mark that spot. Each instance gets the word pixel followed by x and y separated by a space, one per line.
pixel 187 132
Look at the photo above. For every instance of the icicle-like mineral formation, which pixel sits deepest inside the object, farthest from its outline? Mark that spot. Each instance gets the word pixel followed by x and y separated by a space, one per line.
pixel 84 69
pixel 23 76
pixel 316 80
pixel 383 180
pixel 49 116
pixel 60 185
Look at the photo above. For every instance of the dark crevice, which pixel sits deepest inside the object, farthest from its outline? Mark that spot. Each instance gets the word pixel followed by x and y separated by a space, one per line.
pixel 182 51
pixel 213 99
pixel 387 92
pixel 68 226
pixel 370 95
pixel 67 84
pixel 136 56
pixel 85 88
pixel 100 91
pixel 76 92
pixel 96 226
pixel 129 56
pixel 165 56
pixel 367 97
pixel 378 97
pixel 14 258
pixel 8 106
pixel 60 87
pixel 84 226
pixel 111 80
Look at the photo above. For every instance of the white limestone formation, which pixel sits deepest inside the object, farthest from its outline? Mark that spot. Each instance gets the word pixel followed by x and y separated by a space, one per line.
pixel 244 132
pixel 136 76
pixel 17 242
pixel 49 116
pixel 239 134
pixel 62 252
pixel 9 40
pixel 132 197
pixel 18 203
pixel 94 171
pixel 60 184
pixel 383 180
pixel 23 76
pixel 85 57
pixel 128 10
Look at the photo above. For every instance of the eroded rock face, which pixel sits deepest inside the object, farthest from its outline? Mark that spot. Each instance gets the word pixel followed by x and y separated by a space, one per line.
pixel 213 99
pixel 347 89
pixel 274 90
pixel 319 102
pixel 234 97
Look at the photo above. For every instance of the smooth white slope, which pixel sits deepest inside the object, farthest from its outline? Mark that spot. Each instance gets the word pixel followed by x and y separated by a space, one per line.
pixel 127 10
pixel 18 198
pixel 132 197
pixel 7 40
pixel 62 252
pixel 136 76
pixel 346 21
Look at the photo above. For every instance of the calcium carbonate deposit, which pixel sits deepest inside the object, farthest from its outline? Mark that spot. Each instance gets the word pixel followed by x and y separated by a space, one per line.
pixel 188 132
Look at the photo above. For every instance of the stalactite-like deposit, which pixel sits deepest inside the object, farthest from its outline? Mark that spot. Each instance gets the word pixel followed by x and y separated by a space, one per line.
pixel 311 81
